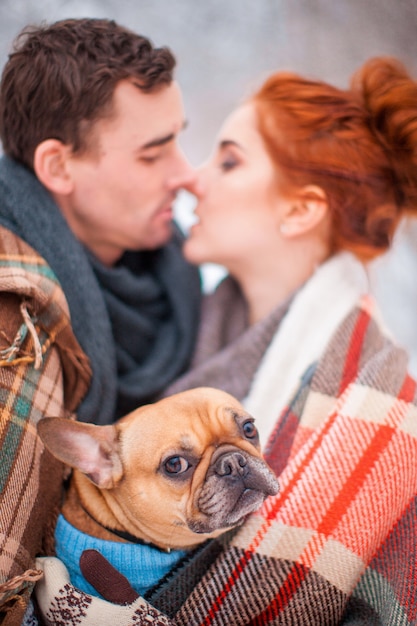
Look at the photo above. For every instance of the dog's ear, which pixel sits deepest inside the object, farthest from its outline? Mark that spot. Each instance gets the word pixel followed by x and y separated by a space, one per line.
pixel 94 450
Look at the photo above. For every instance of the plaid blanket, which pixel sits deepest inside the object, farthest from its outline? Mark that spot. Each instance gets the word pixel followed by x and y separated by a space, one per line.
pixel 337 545
pixel 42 371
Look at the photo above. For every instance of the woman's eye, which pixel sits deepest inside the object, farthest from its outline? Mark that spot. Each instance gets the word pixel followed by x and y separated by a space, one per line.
pixel 228 164
pixel 250 430
pixel 176 465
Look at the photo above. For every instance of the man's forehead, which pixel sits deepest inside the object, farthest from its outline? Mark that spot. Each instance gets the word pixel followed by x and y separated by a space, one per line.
pixel 140 120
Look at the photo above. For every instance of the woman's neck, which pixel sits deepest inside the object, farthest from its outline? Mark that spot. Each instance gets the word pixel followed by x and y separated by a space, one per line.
pixel 265 294
pixel 266 283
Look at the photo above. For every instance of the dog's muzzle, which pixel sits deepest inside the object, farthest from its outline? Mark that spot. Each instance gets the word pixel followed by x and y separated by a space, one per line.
pixel 233 465
pixel 236 484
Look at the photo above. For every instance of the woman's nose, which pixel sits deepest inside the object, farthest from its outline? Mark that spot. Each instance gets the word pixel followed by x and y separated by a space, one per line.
pixel 198 183
pixel 194 183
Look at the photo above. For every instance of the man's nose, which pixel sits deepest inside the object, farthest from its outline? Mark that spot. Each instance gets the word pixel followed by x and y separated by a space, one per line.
pixel 184 175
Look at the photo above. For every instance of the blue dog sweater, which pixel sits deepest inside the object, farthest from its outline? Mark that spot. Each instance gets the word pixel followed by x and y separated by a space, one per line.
pixel 143 565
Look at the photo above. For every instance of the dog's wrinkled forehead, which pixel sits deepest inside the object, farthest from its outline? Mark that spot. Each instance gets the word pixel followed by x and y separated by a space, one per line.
pixel 194 420
pixel 208 413
pixel 225 424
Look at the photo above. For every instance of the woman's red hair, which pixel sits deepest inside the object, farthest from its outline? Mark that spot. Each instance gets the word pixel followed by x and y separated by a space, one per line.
pixel 358 145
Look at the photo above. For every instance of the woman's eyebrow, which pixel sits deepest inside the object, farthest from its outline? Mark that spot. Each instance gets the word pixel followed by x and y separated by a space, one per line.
pixel 226 143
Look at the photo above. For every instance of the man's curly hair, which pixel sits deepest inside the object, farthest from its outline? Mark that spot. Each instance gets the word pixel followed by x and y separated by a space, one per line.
pixel 60 79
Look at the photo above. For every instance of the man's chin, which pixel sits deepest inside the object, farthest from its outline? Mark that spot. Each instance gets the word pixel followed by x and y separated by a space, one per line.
pixel 158 239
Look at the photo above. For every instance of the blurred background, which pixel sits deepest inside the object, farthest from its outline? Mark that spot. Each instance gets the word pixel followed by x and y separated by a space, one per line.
pixel 225 49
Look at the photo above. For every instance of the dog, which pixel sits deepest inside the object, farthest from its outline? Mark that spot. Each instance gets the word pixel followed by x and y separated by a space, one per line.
pixel 163 480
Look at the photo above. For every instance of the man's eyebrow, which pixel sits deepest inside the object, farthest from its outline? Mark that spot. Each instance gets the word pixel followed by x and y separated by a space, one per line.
pixel 160 141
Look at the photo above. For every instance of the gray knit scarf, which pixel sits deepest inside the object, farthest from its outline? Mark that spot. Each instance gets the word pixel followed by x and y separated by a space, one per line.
pixel 137 321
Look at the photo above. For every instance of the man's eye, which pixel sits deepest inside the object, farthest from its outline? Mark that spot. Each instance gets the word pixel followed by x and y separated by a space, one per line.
pixel 149 159
pixel 176 465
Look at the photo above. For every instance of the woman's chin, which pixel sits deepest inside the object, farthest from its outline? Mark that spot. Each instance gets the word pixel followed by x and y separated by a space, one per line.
pixel 192 251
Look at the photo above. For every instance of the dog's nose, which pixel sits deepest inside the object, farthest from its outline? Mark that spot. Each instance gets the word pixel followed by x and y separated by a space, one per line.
pixel 231 464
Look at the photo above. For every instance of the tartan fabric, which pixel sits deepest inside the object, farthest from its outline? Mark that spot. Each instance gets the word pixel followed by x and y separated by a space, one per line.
pixel 43 371
pixel 337 545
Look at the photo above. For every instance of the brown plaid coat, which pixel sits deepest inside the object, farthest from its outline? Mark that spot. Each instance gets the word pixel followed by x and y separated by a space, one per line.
pixel 43 371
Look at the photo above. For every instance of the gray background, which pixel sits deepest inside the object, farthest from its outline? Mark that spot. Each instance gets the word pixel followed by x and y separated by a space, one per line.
pixel 225 48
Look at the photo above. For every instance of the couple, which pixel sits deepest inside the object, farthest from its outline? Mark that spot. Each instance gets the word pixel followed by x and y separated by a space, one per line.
pixel 100 313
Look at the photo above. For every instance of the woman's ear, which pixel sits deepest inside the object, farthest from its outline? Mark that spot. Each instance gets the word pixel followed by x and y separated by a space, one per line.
pixel 50 165
pixel 305 212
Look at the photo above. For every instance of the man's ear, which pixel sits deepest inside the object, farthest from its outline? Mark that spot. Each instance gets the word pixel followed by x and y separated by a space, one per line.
pixel 50 165
pixel 305 212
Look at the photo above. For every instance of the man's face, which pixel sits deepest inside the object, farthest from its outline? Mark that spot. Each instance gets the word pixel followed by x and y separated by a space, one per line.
pixel 124 186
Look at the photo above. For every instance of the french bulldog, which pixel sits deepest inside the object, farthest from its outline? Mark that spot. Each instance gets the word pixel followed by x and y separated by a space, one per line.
pixel 170 474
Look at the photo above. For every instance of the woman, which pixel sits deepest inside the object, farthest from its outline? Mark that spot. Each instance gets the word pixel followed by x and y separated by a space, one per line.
pixel 307 183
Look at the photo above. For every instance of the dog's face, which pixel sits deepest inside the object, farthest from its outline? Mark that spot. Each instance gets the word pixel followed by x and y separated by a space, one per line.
pixel 175 472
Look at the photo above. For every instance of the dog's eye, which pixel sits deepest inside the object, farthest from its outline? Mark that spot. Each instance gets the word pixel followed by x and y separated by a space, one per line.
pixel 176 465
pixel 250 430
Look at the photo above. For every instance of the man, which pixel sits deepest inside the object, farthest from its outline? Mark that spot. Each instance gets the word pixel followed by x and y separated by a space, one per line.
pixel 98 310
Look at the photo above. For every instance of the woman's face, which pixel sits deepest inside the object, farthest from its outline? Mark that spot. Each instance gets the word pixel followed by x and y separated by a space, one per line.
pixel 239 206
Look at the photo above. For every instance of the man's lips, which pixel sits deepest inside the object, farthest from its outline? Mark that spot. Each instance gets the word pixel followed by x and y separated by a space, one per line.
pixel 166 212
pixel 166 209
